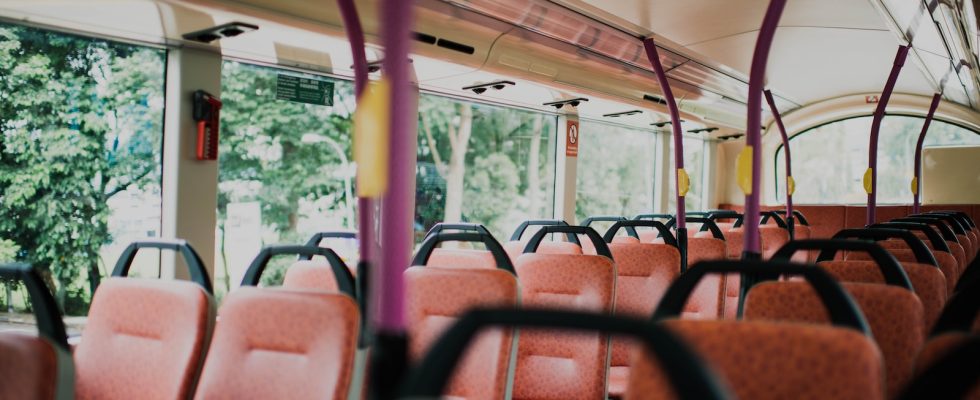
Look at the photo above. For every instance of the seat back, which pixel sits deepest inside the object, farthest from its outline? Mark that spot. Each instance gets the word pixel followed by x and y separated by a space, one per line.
pixel 709 298
pixel 893 313
pixel 143 339
pixel 493 257
pixel 772 360
pixel 438 295
pixel 927 281
pixel 282 344
pixel 946 368
pixel 36 367
pixel 643 273
pixel 687 377
pixel 812 361
pixel 558 365
pixel 515 247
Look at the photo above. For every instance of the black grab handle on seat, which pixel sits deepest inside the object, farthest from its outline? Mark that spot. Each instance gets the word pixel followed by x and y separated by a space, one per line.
pixel 799 217
pixel 319 236
pixel 600 245
pixel 937 224
pixel 194 264
pixel 460 226
pixel 952 376
pixel 707 224
pixel 929 230
pixel 889 266
pixel 952 220
pixel 671 220
pixel 493 246
pixel 922 253
pixel 49 321
pixel 610 218
pixel 630 226
pixel 345 281
pixel 687 374
pixel 965 218
pixel 542 222
pixel 775 215
pixel 841 307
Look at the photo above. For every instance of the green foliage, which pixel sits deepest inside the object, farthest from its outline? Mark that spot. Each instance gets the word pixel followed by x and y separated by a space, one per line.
pixel 8 251
pixel 493 183
pixel 497 187
pixel 266 149
pixel 77 128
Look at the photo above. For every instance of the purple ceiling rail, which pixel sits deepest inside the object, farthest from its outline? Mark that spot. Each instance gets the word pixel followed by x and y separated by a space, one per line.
pixel 675 125
pixel 753 131
pixel 871 175
pixel 790 185
pixel 917 173
pixel 390 353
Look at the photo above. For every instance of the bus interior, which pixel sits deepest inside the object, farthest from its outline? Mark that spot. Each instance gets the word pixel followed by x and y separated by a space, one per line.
pixel 489 199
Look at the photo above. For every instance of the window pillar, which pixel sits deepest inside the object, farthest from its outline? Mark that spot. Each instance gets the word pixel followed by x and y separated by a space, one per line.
pixel 190 187
pixel 566 166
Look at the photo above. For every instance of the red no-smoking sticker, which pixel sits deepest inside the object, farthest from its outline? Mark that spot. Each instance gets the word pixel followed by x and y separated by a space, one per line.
pixel 571 139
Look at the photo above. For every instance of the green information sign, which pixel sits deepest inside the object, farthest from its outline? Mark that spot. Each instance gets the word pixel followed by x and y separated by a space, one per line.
pixel 304 90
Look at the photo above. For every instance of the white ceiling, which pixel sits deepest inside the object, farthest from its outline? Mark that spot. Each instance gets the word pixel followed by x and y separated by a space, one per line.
pixel 823 48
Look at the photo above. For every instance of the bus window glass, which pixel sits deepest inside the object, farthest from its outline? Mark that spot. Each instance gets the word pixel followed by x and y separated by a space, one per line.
pixel 81 130
pixel 285 169
pixel 829 161
pixel 694 165
pixel 482 164
pixel 615 170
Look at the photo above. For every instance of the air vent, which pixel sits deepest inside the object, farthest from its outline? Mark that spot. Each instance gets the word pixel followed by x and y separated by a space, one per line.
pixel 223 31
pixel 455 46
pixel 662 124
pixel 622 114
pixel 424 38
pixel 571 102
pixel 655 99
pixel 444 43
pixel 703 130
pixel 729 137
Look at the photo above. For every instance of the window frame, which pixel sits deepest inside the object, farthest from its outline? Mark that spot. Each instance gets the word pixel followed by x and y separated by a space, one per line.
pixel 777 159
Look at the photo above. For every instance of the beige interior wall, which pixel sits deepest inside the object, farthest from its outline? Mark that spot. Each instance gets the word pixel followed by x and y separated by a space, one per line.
pixel 951 175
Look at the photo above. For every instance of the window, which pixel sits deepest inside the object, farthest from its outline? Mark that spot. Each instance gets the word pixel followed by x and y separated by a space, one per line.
pixel 81 128
pixel 829 161
pixel 483 164
pixel 285 170
pixel 694 149
pixel 615 170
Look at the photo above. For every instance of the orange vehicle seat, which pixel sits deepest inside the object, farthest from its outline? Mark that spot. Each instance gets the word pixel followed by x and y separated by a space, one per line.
pixel 940 346
pixel 437 296
pixel 310 275
pixel 945 260
pixel 144 339
pixel 773 238
pixel 32 368
pixel 282 344
pixel 927 281
pixel 553 365
pixel 893 313
pixel 516 248
pixel 707 300
pixel 775 360
pixel 461 258
pixel 643 273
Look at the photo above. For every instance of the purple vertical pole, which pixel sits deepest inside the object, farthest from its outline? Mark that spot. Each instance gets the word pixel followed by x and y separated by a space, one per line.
pixel 390 358
pixel 886 93
pixel 753 132
pixel 917 173
pixel 675 125
pixel 365 205
pixel 789 163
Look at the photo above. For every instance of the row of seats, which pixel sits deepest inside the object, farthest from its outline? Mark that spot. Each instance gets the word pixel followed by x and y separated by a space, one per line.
pixel 153 339
pixel 613 274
